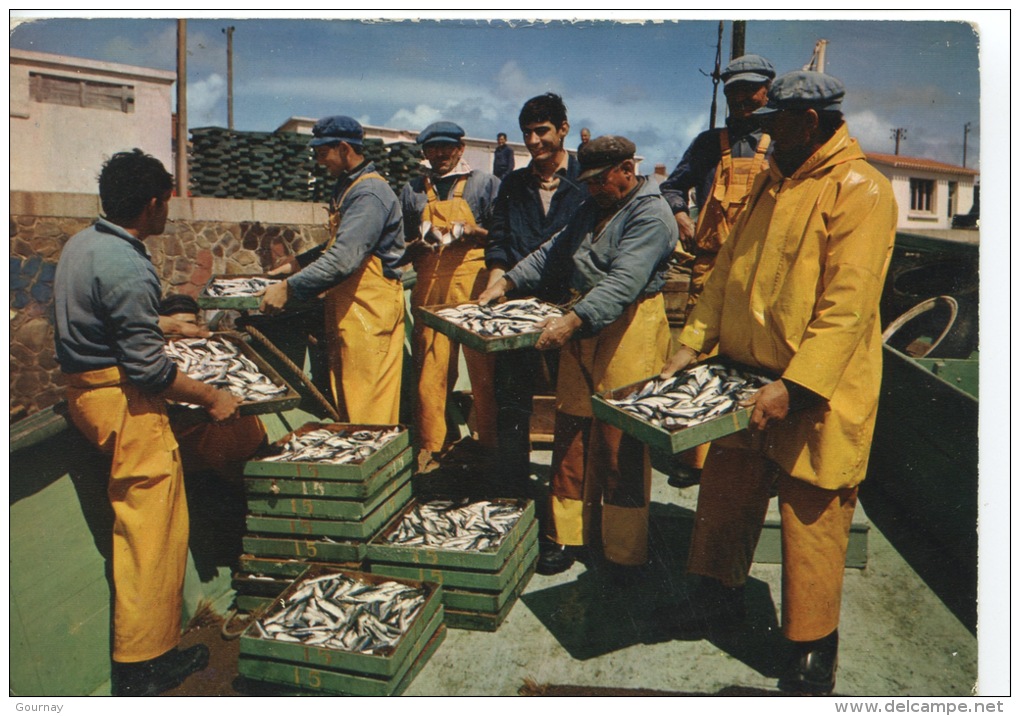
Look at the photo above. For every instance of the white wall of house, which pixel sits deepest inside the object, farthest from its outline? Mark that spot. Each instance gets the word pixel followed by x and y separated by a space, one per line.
pixel 936 213
pixel 57 147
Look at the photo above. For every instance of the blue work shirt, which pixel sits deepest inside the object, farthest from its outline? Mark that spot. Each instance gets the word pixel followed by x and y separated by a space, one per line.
pixel 698 166
pixel 520 223
pixel 370 225
pixel 106 298
pixel 609 268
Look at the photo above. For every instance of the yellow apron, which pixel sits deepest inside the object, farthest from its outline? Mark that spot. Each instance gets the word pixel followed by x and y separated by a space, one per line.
pixel 365 336
pixel 146 491
pixel 452 274
pixel 596 467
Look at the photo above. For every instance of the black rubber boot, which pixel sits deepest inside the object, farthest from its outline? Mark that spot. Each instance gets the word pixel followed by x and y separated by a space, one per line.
pixel 712 608
pixel 152 677
pixel 812 670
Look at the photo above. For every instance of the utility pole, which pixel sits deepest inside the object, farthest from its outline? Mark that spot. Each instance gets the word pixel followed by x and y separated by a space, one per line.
pixel 230 76
pixel 715 76
pixel 966 130
pixel 817 62
pixel 739 31
pixel 899 133
pixel 181 173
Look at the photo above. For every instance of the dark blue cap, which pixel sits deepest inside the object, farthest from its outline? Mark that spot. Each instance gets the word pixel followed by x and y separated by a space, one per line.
pixel 748 68
pixel 339 128
pixel 441 133
pixel 804 89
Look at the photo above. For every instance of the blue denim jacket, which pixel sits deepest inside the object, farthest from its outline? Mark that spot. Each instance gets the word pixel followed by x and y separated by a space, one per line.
pixel 612 269
pixel 106 299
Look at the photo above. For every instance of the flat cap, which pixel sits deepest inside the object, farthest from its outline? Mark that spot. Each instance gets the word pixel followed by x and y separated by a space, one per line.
pixel 601 153
pixel 804 89
pixel 441 133
pixel 335 129
pixel 177 303
pixel 748 68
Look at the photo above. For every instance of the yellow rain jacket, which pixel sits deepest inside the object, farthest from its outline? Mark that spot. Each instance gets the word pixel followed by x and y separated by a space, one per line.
pixel 795 290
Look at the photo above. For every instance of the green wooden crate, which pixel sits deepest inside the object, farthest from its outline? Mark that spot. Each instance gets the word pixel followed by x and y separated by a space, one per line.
pixel 492 602
pixel 279 404
pixel 453 578
pixel 290 568
pixel 237 303
pixel 312 549
pixel 326 508
pixel 260 585
pixel 483 621
pixel 482 344
pixel 342 489
pixel 385 664
pixel 489 560
pixel 361 530
pixel 308 681
pixel 351 472
pixel 251 604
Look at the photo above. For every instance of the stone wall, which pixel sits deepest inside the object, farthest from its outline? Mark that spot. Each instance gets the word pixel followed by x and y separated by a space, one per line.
pixel 204 237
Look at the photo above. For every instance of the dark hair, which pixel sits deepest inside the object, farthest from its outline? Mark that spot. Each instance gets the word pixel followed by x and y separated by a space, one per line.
pixel 128 181
pixel 546 107
pixel 501 134
pixel 178 303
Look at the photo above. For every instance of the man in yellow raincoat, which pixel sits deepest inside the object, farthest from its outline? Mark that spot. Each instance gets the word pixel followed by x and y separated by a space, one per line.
pixel 111 350
pixel 794 291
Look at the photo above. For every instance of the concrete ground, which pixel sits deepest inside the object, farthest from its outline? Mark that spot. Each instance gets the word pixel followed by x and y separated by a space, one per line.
pixel 898 638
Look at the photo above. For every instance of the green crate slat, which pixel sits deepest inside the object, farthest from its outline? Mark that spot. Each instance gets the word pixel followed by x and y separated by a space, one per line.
pixel 353 472
pixel 491 602
pixel 427 315
pixel 453 578
pixel 251 604
pixel 482 621
pixel 332 528
pixel 326 509
pixel 489 561
pixel 290 487
pixel 261 587
pixel 287 568
pixel 311 549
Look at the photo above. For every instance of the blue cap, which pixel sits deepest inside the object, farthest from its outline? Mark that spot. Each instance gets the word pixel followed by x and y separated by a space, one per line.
pixel 441 133
pixel 804 89
pixel 748 68
pixel 339 128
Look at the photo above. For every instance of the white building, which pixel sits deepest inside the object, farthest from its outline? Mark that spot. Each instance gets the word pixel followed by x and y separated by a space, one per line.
pixel 929 193
pixel 69 115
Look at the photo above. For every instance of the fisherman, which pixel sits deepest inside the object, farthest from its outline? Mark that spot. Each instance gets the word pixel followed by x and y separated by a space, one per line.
pixel 358 268
pixel 613 253
pixel 720 165
pixel 111 350
pixel 453 199
pixel 502 157
pixel 585 137
pixel 534 203
pixel 795 291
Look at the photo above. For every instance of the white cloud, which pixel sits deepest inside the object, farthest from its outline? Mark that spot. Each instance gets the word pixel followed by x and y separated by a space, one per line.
pixel 207 100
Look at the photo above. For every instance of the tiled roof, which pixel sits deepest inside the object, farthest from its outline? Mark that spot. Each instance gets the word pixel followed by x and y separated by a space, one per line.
pixel 901 162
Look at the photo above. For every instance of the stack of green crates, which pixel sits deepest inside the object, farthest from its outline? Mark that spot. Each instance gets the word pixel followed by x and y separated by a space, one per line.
pixel 306 513
pixel 323 670
pixel 479 587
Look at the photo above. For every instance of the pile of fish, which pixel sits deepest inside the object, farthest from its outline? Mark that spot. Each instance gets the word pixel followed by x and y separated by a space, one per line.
pixel 334 447
pixel 459 525
pixel 510 318
pixel 221 364
pixel 338 612
pixel 691 397
pixel 233 287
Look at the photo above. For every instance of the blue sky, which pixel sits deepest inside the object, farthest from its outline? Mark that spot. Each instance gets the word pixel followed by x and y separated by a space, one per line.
pixel 642 80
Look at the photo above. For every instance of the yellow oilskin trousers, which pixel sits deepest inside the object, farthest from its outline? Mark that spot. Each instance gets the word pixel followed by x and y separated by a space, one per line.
pixel 453 274
pixel 596 468
pixel 146 490
pixel 365 343
pixel 732 502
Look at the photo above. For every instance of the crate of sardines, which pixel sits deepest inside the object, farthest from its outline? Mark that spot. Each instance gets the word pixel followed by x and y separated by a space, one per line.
pixel 224 360
pixel 483 553
pixel 260 580
pixel 694 406
pixel 497 327
pixel 235 291
pixel 340 632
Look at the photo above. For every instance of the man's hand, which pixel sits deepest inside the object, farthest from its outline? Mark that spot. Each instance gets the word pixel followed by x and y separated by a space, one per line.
pixel 495 274
pixel 285 266
pixel 274 298
pixel 557 331
pixel 680 360
pixel 496 290
pixel 686 227
pixel 224 406
pixel 771 402
pixel 177 327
